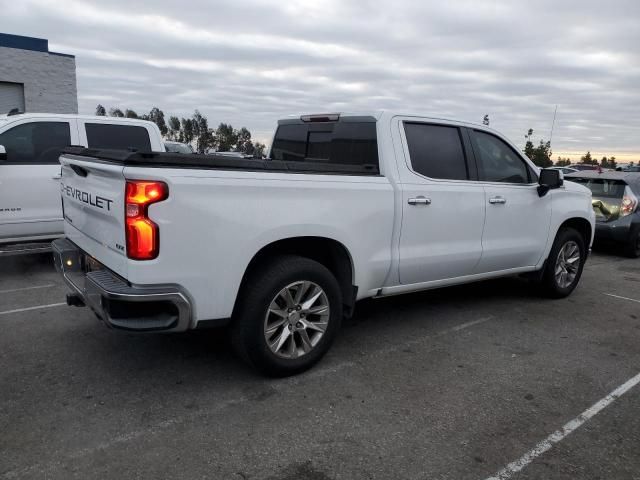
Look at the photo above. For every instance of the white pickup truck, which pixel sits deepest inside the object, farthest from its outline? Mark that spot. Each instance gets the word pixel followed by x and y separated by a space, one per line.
pixel 30 144
pixel 346 207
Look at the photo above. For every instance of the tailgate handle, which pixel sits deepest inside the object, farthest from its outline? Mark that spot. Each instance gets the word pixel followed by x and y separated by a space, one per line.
pixel 79 170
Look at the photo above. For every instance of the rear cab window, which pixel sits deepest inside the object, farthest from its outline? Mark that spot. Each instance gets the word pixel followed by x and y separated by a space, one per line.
pixel 118 137
pixel 343 146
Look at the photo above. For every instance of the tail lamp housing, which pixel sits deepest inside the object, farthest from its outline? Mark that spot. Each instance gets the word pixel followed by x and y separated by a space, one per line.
pixel 629 202
pixel 143 235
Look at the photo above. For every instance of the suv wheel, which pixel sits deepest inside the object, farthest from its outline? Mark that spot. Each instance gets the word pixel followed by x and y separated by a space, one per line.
pixel 288 315
pixel 564 264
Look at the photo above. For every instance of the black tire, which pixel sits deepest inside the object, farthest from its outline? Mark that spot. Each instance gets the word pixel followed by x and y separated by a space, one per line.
pixel 632 249
pixel 549 283
pixel 248 323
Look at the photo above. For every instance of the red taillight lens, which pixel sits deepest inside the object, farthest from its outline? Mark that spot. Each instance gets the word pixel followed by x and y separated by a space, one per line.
pixel 143 236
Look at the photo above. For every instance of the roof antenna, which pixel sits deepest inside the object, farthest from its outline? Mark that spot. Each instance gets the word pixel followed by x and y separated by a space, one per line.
pixel 553 124
pixel 13 111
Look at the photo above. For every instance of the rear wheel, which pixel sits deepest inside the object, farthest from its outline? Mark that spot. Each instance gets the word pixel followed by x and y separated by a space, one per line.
pixel 633 245
pixel 289 314
pixel 565 263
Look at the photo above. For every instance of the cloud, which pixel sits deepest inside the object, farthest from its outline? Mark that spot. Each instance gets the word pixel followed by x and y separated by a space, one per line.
pixel 252 62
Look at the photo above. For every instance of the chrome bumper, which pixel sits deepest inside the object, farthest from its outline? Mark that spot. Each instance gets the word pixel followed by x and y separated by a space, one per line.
pixel 115 301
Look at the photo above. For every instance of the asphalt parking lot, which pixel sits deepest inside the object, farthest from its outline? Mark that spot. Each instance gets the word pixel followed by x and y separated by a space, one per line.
pixel 457 383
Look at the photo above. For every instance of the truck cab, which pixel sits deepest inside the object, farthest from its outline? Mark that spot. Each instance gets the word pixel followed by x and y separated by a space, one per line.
pixel 30 144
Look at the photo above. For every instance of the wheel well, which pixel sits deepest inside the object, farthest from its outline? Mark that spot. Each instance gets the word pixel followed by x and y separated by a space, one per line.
pixel 582 226
pixel 330 253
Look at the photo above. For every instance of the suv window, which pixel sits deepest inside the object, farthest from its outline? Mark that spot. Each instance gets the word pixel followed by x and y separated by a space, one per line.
pixel 118 137
pixel 497 161
pixel 436 151
pixel 36 142
pixel 333 143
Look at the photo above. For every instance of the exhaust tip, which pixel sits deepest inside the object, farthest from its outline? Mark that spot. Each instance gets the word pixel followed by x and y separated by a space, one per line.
pixel 74 300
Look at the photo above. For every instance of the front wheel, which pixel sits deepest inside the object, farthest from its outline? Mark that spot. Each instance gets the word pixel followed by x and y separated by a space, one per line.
pixel 565 263
pixel 289 314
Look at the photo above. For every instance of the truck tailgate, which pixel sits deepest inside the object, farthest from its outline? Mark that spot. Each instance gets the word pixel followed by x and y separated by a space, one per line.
pixel 93 206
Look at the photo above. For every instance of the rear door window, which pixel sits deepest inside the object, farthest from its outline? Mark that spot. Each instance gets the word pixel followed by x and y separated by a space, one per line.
pixel 436 151
pixel 352 145
pixel 118 137
pixel 36 142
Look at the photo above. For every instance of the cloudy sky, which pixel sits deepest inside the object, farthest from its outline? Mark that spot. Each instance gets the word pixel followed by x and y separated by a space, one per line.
pixel 251 62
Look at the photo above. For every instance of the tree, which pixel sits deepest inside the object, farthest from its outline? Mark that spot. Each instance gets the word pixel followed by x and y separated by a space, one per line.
pixel 485 120
pixel 187 130
pixel 226 137
pixel 174 129
pixel 612 162
pixel 540 155
pixel 529 148
pixel 587 159
pixel 563 162
pixel 157 116
pixel 115 112
pixel 243 142
pixel 101 111
pixel 259 149
pixel 130 114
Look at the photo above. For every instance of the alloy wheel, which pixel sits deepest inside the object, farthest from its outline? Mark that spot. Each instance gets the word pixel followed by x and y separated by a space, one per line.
pixel 296 319
pixel 567 264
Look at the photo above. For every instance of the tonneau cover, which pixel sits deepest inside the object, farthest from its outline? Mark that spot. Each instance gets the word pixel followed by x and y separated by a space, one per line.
pixel 213 162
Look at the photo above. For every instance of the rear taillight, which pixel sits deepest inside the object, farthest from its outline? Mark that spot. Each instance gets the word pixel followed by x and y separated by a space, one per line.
pixel 143 236
pixel 629 202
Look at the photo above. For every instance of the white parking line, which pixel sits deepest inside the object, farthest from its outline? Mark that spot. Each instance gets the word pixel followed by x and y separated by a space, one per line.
pixel 27 288
pixel 568 428
pixel 38 307
pixel 622 298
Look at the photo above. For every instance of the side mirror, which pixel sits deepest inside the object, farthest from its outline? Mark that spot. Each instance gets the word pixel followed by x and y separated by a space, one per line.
pixel 548 180
pixel 3 154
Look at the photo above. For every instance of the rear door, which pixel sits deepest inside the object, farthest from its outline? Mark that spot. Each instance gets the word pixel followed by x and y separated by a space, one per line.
pixel 443 207
pixel 30 177
pixel 517 222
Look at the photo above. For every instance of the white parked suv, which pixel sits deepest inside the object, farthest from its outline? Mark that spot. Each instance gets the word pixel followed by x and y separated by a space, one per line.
pixel 30 144
pixel 346 207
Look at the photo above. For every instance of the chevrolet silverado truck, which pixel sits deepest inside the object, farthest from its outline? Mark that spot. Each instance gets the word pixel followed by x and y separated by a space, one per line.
pixel 345 207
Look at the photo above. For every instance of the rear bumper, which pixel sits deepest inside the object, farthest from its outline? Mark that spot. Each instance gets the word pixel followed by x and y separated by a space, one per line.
pixel 618 231
pixel 118 303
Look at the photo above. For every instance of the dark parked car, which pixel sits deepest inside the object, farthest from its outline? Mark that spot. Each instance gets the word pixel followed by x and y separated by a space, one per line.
pixel 615 202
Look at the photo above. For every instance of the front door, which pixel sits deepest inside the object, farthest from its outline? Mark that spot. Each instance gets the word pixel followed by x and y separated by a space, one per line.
pixel 30 204
pixel 517 222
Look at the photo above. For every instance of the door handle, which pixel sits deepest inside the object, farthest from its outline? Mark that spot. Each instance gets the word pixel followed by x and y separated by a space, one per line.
pixel 419 201
pixel 57 177
pixel 497 200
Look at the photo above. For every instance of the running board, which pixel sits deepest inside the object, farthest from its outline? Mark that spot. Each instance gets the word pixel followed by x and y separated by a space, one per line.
pixel 24 248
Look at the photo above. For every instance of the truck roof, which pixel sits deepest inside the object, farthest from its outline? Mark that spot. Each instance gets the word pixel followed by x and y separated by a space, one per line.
pixel 18 116
pixel 379 114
